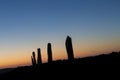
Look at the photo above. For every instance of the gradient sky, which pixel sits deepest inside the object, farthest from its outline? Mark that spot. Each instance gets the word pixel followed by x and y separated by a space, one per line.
pixel 26 25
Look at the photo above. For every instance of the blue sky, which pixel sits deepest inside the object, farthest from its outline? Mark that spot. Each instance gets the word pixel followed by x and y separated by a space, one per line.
pixel 28 24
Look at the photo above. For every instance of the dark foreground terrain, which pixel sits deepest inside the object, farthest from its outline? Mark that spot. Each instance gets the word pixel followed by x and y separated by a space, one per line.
pixel 65 69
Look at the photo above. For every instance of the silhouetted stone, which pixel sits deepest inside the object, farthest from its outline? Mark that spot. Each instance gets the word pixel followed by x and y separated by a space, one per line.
pixel 49 51
pixel 69 48
pixel 39 59
pixel 34 59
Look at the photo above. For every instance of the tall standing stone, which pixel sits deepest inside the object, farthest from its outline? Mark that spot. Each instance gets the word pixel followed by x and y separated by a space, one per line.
pixel 34 59
pixel 39 59
pixel 69 48
pixel 49 51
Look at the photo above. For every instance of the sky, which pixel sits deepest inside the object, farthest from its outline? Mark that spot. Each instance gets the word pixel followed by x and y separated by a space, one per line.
pixel 25 25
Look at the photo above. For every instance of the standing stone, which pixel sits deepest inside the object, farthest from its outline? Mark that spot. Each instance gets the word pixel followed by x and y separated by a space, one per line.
pixel 49 51
pixel 69 48
pixel 34 59
pixel 39 59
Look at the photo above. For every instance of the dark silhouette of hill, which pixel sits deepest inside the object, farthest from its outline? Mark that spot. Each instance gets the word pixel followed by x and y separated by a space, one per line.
pixel 61 68
pixel 2 71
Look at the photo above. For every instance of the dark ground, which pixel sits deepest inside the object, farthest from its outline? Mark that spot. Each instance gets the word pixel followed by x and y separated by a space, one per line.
pixel 64 69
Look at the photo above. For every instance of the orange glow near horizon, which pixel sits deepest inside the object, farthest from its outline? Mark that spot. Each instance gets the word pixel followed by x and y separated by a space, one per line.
pixel 22 56
pixel 58 54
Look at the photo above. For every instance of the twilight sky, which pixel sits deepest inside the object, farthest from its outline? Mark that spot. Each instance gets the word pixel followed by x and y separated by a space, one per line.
pixel 26 25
